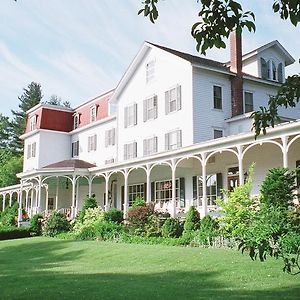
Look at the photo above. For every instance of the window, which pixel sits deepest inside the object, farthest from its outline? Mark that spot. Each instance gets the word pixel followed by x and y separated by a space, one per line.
pixel 213 188
pixel 31 150
pixel 93 113
pixel 173 140
pixel 218 133
pixel 33 123
pixel 109 161
pixel 217 97
pixel 110 137
pixel 92 143
pixel 274 71
pixel 150 146
pixel 150 108
pixel 163 190
pixel 50 203
pixel 76 121
pixel 173 99
pixel 134 191
pixel 248 97
pixel 75 149
pixel 130 150
pixel 130 115
pixel 150 71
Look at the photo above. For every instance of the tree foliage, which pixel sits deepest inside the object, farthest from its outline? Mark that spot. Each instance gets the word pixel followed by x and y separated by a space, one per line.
pixel 32 96
pixel 55 100
pixel 5 132
pixel 217 18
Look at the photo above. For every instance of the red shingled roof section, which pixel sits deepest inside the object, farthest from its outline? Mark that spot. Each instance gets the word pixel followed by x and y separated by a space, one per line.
pixel 71 163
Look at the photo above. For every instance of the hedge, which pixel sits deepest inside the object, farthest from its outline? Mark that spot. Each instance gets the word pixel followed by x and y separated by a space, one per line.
pixel 8 233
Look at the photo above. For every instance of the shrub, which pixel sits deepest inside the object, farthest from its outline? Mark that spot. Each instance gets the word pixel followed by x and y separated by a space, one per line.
pixel 113 215
pixel 153 225
pixel 108 231
pixel 55 223
pixel 36 224
pixel 278 187
pixel 91 217
pixel 138 201
pixel 138 217
pixel 208 230
pixel 171 228
pixel 89 202
pixel 192 220
pixel 11 232
pixel 9 215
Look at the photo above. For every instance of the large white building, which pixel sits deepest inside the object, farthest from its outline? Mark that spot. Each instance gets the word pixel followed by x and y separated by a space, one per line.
pixel 175 123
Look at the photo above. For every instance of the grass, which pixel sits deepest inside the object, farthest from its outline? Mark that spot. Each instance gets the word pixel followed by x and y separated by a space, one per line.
pixel 45 268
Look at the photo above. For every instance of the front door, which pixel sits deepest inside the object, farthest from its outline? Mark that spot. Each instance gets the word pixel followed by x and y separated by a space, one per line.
pixel 233 179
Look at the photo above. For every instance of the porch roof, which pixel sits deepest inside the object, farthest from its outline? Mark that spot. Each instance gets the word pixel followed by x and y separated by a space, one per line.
pixel 70 163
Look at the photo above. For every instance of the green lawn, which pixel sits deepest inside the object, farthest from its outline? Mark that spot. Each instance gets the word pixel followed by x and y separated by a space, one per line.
pixel 45 268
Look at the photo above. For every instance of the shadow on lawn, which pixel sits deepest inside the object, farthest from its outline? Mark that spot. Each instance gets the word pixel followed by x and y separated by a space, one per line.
pixel 25 275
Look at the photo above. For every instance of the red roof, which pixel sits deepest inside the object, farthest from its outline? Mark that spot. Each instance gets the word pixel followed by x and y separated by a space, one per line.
pixel 70 163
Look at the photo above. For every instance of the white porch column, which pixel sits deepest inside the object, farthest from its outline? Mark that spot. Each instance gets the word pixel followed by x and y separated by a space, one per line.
pixel 56 194
pixel 26 200
pixel 20 195
pixel 240 159
pixel 47 198
pixel 90 186
pixel 204 194
pixel 126 204
pixel 73 208
pixel 39 195
pixel 31 201
pixel 106 206
pixel 148 184
pixel 10 199
pixel 284 140
pixel 173 209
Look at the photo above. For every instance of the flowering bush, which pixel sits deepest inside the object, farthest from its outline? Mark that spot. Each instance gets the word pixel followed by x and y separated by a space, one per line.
pixel 54 224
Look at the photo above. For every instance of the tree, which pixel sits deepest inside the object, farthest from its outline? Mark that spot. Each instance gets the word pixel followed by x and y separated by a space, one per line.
pixel 10 165
pixel 55 100
pixel 5 132
pixel 32 96
pixel 220 17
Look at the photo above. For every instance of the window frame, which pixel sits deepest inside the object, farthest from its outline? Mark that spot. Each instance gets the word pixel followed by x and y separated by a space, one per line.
pixel 210 195
pixel 217 100
pixel 150 70
pixel 110 137
pixel 168 136
pixel 133 192
pixel 220 130
pixel 150 105
pixel 76 121
pixel 130 150
pixel 93 113
pixel 92 143
pixel 33 122
pixel 130 115
pixel 166 192
pixel 176 99
pixel 75 148
pixel 245 105
pixel 150 145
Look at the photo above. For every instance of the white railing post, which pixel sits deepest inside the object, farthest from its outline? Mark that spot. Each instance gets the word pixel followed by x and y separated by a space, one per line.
pixel 173 207
pixel 148 184
pixel 284 140
pixel 204 194
pixel 126 204
pixel 240 159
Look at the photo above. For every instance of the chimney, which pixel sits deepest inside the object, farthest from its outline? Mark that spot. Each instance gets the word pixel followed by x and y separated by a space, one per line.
pixel 237 107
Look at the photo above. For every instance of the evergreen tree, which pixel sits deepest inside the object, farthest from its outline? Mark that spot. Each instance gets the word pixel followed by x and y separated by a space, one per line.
pixel 55 100
pixel 5 132
pixel 32 96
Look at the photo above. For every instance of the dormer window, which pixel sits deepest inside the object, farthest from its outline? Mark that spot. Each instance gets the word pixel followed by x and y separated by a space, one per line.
pixel 270 70
pixel 32 123
pixel 93 113
pixel 76 121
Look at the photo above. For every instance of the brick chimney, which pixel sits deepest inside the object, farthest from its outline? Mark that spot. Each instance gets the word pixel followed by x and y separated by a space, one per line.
pixel 237 107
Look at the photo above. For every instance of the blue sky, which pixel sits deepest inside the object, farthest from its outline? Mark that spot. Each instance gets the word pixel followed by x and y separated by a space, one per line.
pixel 77 49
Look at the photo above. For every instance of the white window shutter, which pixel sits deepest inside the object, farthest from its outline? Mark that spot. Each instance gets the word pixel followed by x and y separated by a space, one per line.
pixel 89 144
pixel 179 142
pixel 113 136
pixel 34 149
pixel 145 110
pixel 126 117
pixel 178 97
pixel 167 141
pixel 135 149
pixel 29 151
pixel 155 143
pixel 167 100
pixel 155 106
pixel 95 142
pixel 125 151
pixel 135 113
